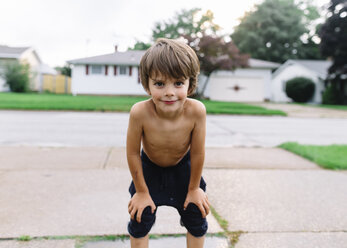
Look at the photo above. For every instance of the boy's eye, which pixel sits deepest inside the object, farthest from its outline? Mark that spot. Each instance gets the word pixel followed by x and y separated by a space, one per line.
pixel 179 83
pixel 159 84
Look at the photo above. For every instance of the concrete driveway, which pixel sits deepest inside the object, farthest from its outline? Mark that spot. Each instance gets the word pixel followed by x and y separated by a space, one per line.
pixel 296 110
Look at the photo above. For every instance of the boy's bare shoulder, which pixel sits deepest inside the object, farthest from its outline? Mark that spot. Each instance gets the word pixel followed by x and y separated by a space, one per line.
pixel 195 108
pixel 141 109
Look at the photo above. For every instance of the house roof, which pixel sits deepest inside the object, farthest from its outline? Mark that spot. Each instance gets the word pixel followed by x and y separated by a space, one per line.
pixel 116 58
pixel 12 52
pixel 320 67
pixel 257 63
pixel 134 58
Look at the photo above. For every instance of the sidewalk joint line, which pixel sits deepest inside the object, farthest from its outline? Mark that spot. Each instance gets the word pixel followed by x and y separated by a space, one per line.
pixel 334 231
pixel 232 236
pixel 81 240
pixel 287 169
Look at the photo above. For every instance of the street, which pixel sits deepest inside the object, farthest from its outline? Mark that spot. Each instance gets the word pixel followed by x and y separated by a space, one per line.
pixel 48 128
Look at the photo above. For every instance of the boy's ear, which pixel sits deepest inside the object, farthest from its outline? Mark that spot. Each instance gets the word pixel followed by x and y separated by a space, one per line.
pixel 148 92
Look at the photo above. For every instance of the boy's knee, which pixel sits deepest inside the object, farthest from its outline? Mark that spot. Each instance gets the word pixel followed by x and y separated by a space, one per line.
pixel 139 230
pixel 192 219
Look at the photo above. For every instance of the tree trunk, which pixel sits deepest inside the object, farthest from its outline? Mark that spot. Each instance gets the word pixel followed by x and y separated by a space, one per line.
pixel 201 94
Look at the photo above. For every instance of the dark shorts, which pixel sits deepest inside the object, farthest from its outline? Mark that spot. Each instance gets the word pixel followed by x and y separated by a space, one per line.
pixel 168 186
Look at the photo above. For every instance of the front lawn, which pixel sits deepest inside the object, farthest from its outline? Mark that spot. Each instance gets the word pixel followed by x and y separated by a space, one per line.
pixel 47 101
pixel 330 157
pixel 216 107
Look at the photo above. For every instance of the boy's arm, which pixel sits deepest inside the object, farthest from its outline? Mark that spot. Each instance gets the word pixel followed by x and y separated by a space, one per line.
pixel 141 198
pixel 197 155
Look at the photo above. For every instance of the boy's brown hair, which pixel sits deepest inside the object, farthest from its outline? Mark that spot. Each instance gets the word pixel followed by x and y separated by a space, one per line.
pixel 172 59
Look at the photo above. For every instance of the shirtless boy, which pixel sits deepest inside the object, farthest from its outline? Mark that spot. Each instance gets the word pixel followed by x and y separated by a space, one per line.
pixel 171 129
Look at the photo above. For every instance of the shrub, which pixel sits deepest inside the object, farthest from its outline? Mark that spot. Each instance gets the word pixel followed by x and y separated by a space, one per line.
pixel 16 76
pixel 330 95
pixel 300 89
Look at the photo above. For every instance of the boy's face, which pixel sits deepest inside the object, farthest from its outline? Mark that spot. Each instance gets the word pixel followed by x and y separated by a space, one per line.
pixel 168 94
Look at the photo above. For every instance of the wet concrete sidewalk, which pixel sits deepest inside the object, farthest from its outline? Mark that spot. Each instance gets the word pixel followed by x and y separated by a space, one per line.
pixel 272 197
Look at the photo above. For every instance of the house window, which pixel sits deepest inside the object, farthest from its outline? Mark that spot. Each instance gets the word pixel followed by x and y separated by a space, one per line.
pixel 122 70
pixel 96 69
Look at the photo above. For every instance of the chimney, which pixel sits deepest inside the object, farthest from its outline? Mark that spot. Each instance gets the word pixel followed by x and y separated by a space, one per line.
pixel 115 48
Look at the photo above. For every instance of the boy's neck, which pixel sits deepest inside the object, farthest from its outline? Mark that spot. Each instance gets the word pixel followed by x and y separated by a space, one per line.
pixel 166 115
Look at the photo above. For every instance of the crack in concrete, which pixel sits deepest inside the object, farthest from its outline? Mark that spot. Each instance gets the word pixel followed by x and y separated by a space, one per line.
pixel 221 127
pixel 233 133
pixel 107 158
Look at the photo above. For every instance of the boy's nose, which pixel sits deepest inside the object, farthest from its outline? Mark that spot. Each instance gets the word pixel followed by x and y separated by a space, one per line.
pixel 169 92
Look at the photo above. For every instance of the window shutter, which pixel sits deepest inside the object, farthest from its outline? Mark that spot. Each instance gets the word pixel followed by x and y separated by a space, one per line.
pixel 106 70
pixel 138 75
pixel 87 69
pixel 115 70
pixel 130 70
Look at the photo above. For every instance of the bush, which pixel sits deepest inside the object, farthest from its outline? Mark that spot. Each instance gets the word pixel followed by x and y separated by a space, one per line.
pixel 331 95
pixel 16 76
pixel 300 89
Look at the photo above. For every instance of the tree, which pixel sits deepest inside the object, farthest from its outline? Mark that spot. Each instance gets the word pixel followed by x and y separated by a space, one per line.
pixel 277 30
pixel 191 22
pixel 65 70
pixel 216 54
pixel 17 76
pixel 139 45
pixel 333 34
pixel 200 32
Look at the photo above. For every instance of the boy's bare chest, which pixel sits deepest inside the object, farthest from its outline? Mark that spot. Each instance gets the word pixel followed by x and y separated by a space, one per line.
pixel 168 133
pixel 166 142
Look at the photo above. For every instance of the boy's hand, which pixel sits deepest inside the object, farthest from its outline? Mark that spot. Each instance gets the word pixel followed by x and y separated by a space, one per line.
pixel 199 198
pixel 138 203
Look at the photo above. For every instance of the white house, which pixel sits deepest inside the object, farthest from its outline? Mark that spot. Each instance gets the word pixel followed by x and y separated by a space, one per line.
pixel 251 84
pixel 25 55
pixel 115 74
pixel 314 69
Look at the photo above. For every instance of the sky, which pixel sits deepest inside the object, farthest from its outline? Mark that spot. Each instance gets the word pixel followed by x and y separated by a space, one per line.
pixel 70 29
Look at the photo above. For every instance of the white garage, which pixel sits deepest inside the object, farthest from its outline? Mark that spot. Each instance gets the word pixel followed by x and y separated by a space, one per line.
pixel 237 89
pixel 316 70
pixel 242 85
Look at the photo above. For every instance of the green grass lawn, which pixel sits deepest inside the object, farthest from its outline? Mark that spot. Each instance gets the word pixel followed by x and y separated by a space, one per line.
pixel 330 157
pixel 47 101
pixel 216 107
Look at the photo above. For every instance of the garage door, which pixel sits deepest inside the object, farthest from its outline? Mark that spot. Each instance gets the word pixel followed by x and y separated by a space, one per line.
pixel 237 89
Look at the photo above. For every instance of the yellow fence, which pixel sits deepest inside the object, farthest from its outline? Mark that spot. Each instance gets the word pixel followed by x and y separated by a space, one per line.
pixel 59 84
